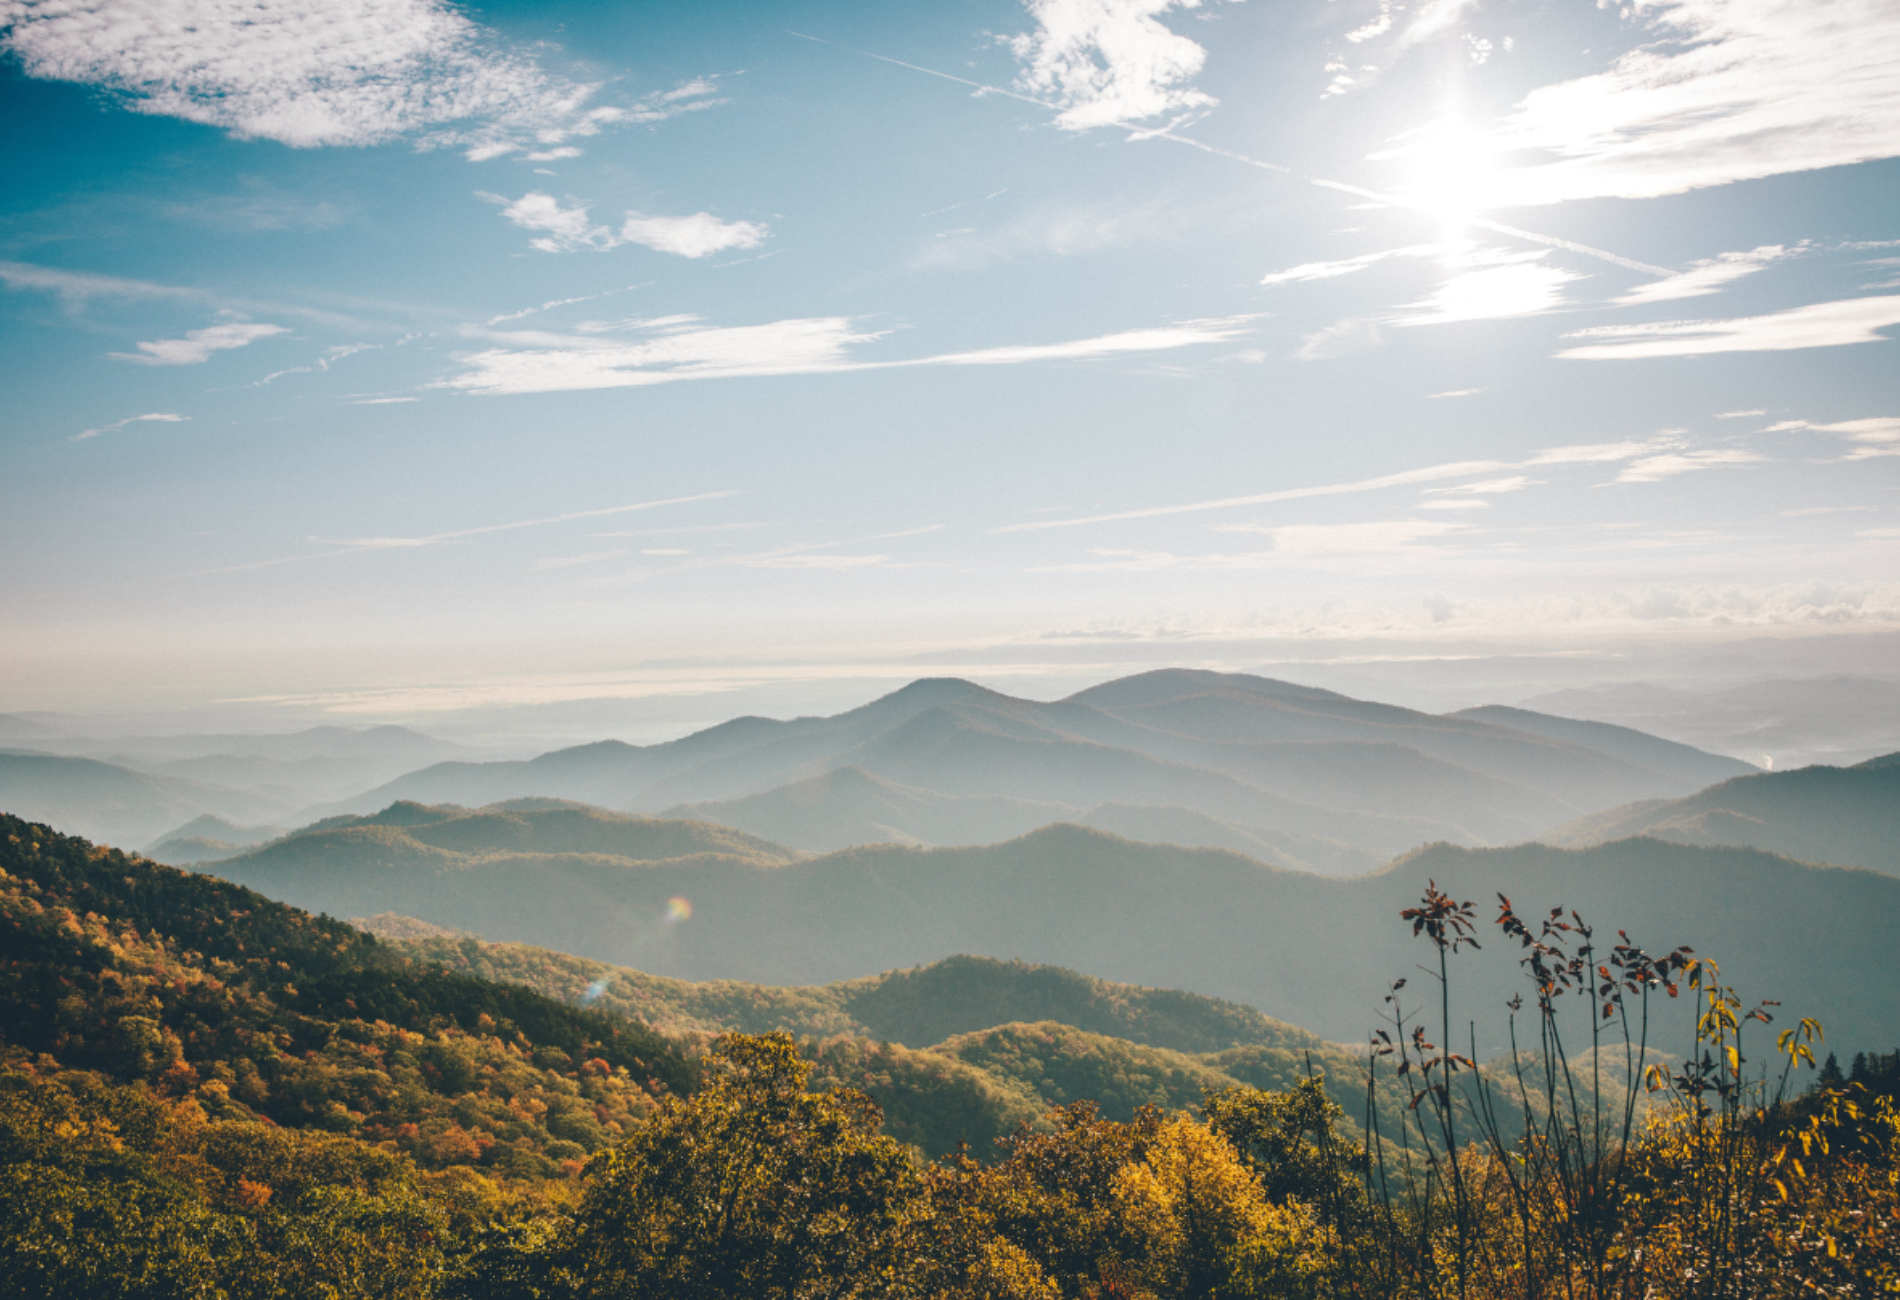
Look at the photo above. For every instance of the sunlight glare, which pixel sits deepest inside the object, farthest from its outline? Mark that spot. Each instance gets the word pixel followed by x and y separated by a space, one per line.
pixel 1454 169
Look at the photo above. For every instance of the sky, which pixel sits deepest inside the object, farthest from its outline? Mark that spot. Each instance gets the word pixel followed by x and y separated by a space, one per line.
pixel 394 360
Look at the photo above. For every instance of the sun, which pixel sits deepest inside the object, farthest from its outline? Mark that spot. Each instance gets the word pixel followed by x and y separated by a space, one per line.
pixel 1454 170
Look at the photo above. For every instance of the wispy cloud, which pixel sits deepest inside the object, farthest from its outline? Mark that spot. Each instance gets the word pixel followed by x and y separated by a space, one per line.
pixel 567 229
pixel 198 345
pixel 1521 286
pixel 358 545
pixel 1347 266
pixel 682 348
pixel 344 72
pixel 1817 325
pixel 1727 90
pixel 161 416
pixel 1601 453
pixel 1382 542
pixel 1871 438
pixel 437 539
pixel 1369 538
pixel 1065 230
pixel 1340 339
pixel 677 350
pixel 1158 339
pixel 575 561
pixel 81 286
pixel 1110 62
pixel 1708 276
pixel 1653 469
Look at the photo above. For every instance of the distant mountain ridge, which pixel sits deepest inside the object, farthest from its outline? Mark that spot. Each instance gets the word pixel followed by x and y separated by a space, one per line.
pixel 1287 764
pixel 848 806
pixel 1848 816
pixel 1317 950
pixel 115 804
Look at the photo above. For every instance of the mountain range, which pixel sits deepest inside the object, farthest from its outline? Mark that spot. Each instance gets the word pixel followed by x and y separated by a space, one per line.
pixel 1313 777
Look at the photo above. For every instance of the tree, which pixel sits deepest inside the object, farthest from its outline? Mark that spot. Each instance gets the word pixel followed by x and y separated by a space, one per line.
pixel 753 1189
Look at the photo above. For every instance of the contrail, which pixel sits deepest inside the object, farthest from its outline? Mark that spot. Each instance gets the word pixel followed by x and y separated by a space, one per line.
pixel 1485 223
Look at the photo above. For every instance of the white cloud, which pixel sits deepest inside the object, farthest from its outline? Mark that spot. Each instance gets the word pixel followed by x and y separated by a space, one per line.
pixel 1434 18
pixel 1817 325
pixel 1159 339
pixel 1493 486
pixel 1653 469
pixel 1378 542
pixel 696 236
pixel 198 345
pixel 1727 90
pixel 1522 286
pixel 1346 266
pixel 1379 537
pixel 161 416
pixel 1110 62
pixel 674 351
pixel 1707 276
pixel 342 72
pixel 566 229
pixel 1879 436
pixel 681 347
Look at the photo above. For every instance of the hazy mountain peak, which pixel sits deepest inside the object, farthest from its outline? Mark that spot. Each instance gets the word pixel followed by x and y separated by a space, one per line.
pixel 928 692
pixel 1164 684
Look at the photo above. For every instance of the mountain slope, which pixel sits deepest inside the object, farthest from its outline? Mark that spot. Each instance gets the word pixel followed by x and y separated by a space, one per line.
pixel 1844 815
pixel 1667 756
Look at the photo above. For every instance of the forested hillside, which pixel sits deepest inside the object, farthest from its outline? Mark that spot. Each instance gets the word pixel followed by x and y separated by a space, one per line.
pixel 254 1010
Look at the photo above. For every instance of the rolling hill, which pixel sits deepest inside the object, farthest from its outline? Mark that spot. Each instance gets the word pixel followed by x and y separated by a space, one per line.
pixel 1319 951
pixel 944 761
pixel 207 839
pixel 962 1049
pixel 1849 816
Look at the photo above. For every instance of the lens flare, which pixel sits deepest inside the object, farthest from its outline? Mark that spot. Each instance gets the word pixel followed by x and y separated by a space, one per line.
pixel 594 990
pixel 678 909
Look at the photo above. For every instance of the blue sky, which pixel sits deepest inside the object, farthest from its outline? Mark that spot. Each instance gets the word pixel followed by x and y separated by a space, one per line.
pixel 401 359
